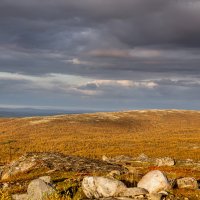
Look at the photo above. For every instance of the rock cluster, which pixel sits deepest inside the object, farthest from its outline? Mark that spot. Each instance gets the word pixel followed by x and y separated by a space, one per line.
pixel 153 186
pixel 165 161
pixel 96 187
pixel 154 183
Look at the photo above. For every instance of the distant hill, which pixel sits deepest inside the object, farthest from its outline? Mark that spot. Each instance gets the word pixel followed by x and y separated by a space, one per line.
pixel 28 112
pixel 174 133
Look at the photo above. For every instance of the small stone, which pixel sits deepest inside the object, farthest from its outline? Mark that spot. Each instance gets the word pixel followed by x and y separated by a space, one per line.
pixel 20 197
pixel 105 158
pixel 187 183
pixel 5 185
pixel 113 173
pixel 143 157
pixel 164 193
pixel 166 161
pixel 133 192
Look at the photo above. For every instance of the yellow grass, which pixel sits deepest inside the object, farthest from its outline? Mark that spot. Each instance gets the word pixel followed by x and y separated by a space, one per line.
pixel 155 133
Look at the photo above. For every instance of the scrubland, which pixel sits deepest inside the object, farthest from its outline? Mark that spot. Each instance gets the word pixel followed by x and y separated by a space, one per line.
pixel 156 133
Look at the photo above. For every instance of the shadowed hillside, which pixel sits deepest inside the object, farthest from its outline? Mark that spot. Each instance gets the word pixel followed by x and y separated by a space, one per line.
pixel 154 132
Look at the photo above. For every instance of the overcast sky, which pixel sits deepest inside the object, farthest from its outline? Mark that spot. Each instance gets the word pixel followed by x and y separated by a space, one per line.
pixel 100 54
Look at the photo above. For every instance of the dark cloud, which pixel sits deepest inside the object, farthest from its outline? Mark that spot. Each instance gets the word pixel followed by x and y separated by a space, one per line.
pixel 136 40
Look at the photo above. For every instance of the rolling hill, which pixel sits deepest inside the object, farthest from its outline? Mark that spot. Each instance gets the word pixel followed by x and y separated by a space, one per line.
pixel 174 133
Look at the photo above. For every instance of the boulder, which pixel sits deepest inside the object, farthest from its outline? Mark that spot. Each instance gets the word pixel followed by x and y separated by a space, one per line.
pixel 133 192
pixel 39 190
pixel 166 161
pixel 98 187
pixel 154 181
pixel 187 183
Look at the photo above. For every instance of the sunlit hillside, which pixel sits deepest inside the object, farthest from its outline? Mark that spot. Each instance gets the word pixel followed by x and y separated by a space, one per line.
pixel 153 132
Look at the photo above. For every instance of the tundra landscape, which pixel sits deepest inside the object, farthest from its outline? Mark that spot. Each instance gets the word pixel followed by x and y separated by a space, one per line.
pixel 153 132
pixel 133 140
pixel 99 100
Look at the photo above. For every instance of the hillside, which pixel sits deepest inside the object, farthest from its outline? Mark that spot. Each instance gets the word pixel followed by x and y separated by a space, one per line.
pixel 156 133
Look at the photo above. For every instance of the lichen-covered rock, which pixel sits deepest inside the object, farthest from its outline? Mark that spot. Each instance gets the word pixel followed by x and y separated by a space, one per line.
pixel 18 167
pixel 166 161
pixel 98 187
pixel 154 181
pixel 187 183
pixel 57 162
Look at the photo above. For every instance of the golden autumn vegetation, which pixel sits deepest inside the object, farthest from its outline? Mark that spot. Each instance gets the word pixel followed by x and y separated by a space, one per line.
pixel 157 133
pixel 153 132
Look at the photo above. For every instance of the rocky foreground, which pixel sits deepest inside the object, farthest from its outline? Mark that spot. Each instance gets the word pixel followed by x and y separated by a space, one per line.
pixel 41 176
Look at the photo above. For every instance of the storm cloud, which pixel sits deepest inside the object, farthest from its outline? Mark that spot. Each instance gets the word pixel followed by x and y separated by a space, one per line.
pixel 136 53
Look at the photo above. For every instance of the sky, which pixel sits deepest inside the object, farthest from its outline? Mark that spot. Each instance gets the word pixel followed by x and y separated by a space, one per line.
pixel 100 54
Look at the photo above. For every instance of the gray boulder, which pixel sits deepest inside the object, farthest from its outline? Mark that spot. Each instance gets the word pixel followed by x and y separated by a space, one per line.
pixel 99 187
pixel 39 190
pixel 166 161
pixel 187 183
pixel 154 181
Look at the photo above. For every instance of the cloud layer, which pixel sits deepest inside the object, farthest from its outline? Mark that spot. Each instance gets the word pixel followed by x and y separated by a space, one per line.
pixel 136 53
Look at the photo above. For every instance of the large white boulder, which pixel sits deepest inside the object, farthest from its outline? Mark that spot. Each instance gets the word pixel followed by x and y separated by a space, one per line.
pixel 154 181
pixel 98 187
